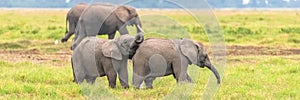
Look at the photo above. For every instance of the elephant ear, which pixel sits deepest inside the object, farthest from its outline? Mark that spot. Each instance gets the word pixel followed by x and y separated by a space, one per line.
pixel 110 49
pixel 125 13
pixel 201 51
pixel 188 49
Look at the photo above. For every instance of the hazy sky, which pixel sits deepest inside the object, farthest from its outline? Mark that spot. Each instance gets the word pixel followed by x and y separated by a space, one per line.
pixel 67 1
pixel 246 1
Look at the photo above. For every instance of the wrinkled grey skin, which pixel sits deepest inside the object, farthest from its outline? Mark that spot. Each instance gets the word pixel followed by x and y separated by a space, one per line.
pixel 98 19
pixel 73 17
pixel 95 57
pixel 161 57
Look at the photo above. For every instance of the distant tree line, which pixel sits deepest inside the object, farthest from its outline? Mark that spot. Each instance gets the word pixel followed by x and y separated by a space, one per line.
pixel 154 4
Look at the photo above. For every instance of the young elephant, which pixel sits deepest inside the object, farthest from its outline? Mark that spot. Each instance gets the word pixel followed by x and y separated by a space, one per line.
pixel 99 57
pixel 161 57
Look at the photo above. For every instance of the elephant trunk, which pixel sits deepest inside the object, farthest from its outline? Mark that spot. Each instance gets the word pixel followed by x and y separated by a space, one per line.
pixel 207 63
pixel 214 70
pixel 139 38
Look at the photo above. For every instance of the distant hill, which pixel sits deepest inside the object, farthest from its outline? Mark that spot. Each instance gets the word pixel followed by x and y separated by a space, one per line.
pixel 154 3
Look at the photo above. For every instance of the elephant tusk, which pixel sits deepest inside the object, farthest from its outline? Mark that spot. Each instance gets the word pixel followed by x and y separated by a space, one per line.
pixel 140 28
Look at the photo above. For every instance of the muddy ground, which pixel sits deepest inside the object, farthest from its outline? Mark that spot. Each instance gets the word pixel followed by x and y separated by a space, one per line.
pixel 63 58
pixel 256 50
pixel 36 56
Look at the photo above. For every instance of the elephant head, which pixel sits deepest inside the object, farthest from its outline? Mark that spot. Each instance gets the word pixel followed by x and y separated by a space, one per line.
pixel 124 46
pixel 129 15
pixel 196 54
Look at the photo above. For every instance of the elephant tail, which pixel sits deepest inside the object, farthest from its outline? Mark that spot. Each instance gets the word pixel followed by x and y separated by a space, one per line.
pixel 67 18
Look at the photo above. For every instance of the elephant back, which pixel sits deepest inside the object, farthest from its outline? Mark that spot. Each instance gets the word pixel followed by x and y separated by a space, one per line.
pixel 152 46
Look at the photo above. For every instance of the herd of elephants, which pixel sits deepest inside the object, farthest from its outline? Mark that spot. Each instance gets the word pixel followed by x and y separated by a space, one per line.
pixel 94 57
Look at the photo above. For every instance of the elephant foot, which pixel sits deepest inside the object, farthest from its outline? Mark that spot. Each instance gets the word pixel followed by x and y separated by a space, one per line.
pixel 126 87
pixel 64 40
pixel 73 47
pixel 91 80
pixel 137 88
pixel 191 81
pixel 77 82
pixel 112 86
pixel 150 87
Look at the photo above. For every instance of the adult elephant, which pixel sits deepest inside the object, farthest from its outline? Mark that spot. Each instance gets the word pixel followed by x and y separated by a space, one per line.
pixel 161 57
pixel 100 57
pixel 73 17
pixel 100 19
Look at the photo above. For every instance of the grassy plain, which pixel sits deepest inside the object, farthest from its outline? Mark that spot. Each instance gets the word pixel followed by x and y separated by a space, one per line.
pixel 33 67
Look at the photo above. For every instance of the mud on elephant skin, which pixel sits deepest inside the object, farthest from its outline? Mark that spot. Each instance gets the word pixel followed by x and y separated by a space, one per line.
pixel 98 19
pixel 73 17
pixel 95 57
pixel 162 57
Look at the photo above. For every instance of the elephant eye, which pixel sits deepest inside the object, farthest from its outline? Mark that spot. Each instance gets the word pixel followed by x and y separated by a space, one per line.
pixel 125 41
pixel 202 58
pixel 124 44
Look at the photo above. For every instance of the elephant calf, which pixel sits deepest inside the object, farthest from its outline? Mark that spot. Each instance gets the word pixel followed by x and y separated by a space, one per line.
pixel 161 57
pixel 100 57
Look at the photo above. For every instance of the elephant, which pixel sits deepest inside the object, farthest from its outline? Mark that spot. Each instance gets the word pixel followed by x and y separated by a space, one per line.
pixel 98 19
pixel 73 17
pixel 161 57
pixel 95 57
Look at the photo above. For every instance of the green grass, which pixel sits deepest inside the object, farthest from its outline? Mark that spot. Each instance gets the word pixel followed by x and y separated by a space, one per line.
pixel 26 80
pixel 268 28
pixel 245 77
pixel 251 77
pixel 261 77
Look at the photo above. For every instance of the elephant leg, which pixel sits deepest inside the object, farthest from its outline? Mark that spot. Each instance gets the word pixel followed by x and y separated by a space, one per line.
pixel 77 68
pixel 79 35
pixel 137 80
pixel 90 79
pixel 74 76
pixel 111 77
pixel 109 71
pixel 122 72
pixel 79 77
pixel 123 75
pixel 124 83
pixel 111 35
pixel 68 35
pixel 77 40
pixel 72 25
pixel 76 36
pixel 138 73
pixel 149 82
pixel 189 79
pixel 180 70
